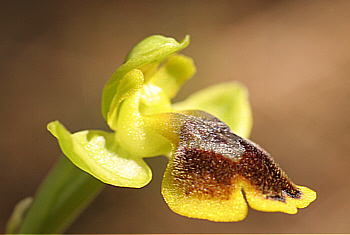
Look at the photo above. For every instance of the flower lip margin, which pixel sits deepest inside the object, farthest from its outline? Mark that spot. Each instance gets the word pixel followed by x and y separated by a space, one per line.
pixel 203 182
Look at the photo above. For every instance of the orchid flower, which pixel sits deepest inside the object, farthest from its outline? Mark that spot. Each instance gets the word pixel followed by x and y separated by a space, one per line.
pixel 210 160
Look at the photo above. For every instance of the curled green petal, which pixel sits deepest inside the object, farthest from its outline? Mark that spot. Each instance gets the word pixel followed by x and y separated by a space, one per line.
pixel 96 153
pixel 128 86
pixel 226 101
pixel 173 74
pixel 151 51
pixel 135 134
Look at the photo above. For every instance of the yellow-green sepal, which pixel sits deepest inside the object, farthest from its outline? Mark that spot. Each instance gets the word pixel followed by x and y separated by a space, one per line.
pixel 97 153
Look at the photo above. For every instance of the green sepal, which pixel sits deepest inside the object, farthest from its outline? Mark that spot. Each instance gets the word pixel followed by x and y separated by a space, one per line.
pixel 156 47
pixel 227 101
pixel 152 51
pixel 97 153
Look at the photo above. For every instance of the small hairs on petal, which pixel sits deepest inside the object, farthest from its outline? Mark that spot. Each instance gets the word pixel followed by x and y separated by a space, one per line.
pixel 211 166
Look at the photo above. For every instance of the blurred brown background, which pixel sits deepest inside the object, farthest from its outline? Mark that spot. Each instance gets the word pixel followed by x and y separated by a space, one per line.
pixel 294 56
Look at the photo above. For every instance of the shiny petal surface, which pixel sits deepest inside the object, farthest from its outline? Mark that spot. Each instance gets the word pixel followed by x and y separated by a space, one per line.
pixel 96 153
pixel 128 86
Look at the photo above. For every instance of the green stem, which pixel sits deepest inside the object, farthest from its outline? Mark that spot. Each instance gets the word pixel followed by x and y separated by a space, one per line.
pixel 63 195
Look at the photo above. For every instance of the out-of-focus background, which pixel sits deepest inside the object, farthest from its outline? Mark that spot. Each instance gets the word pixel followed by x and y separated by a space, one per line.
pixel 294 57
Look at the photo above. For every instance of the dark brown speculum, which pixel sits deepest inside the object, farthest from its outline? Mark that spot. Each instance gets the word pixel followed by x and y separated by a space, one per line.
pixel 210 158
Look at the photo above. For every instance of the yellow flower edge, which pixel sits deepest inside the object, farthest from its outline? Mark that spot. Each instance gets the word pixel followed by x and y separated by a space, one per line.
pixel 234 208
pixel 259 202
pixel 211 167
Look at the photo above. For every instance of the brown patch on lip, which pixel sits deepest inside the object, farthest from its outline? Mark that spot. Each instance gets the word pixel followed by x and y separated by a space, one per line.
pixel 210 158
pixel 203 174
pixel 258 167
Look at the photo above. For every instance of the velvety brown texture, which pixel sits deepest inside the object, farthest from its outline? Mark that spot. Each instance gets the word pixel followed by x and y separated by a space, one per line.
pixel 264 174
pixel 210 158
pixel 293 56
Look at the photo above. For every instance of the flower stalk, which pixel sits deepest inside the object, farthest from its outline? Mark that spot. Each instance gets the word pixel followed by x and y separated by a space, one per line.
pixel 63 195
